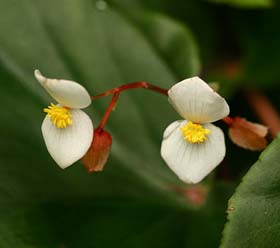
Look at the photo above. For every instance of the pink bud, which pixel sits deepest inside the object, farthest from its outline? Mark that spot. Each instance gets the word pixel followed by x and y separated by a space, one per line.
pixel 247 134
pixel 195 195
pixel 98 154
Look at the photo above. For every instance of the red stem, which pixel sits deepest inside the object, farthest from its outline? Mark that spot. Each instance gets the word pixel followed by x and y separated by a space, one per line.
pixel 109 109
pixel 116 92
pixel 130 86
pixel 264 109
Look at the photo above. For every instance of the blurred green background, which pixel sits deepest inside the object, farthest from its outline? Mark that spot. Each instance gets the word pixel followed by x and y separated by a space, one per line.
pixel 136 201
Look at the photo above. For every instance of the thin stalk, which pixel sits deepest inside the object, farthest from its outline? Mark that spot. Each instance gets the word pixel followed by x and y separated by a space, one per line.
pixel 109 109
pixel 130 86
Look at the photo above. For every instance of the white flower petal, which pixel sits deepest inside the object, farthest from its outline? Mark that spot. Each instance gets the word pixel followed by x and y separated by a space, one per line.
pixel 67 93
pixel 67 145
pixel 195 101
pixel 192 162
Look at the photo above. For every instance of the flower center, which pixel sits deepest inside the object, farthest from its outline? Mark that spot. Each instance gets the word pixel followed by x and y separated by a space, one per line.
pixel 60 116
pixel 194 133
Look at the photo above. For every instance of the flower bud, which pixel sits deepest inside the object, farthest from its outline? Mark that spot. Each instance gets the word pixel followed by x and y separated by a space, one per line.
pixel 195 195
pixel 98 154
pixel 247 134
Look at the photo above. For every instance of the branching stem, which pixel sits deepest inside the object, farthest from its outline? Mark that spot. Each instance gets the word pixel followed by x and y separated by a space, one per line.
pixel 130 86
pixel 116 92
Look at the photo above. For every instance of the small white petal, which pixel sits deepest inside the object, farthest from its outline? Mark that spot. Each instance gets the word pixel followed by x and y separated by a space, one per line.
pixel 194 100
pixel 67 93
pixel 67 145
pixel 192 162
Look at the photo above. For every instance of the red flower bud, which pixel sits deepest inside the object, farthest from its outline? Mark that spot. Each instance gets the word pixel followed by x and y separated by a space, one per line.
pixel 98 154
pixel 195 195
pixel 247 134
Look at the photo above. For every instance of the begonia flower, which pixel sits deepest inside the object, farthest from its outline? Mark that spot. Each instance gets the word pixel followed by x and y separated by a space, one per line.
pixel 193 147
pixel 67 130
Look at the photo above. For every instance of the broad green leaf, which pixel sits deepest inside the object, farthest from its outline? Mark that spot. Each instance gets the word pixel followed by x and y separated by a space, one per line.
pixel 113 222
pixel 198 16
pixel 168 37
pixel 133 202
pixel 202 20
pixel 253 211
pixel 246 3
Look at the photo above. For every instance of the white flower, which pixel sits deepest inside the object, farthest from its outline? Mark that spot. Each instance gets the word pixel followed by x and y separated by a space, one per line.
pixel 193 147
pixel 67 130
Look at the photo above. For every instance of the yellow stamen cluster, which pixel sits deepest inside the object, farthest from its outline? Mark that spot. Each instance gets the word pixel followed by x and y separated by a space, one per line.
pixel 194 133
pixel 60 116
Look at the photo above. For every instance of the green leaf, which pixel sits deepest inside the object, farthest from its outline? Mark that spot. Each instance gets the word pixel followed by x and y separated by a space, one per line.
pixel 198 16
pixel 113 222
pixel 253 212
pixel 245 3
pixel 172 40
pixel 133 202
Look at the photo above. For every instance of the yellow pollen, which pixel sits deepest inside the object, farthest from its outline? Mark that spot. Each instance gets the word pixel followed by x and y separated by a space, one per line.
pixel 60 116
pixel 194 133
